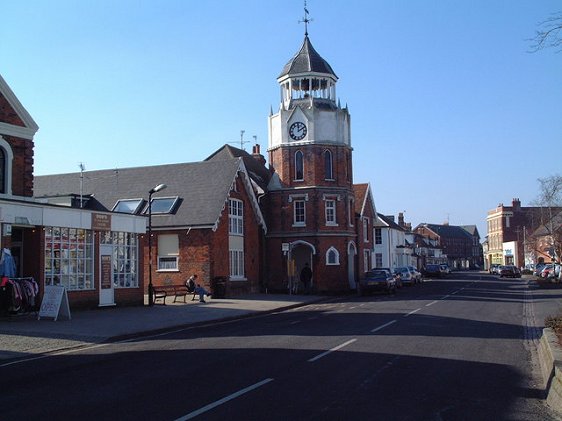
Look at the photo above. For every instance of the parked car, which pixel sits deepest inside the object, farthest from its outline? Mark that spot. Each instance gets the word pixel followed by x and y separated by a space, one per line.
pixel 493 268
pixel 538 269
pixel 417 274
pixel 406 276
pixel 509 271
pixel 378 280
pixel 432 271
pixel 396 277
pixel 550 271
pixel 444 269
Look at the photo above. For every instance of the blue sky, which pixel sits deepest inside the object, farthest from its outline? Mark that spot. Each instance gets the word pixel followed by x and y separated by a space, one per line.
pixel 450 113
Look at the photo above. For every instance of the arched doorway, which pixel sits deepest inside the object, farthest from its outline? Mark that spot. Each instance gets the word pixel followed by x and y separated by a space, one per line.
pixel 301 254
pixel 351 259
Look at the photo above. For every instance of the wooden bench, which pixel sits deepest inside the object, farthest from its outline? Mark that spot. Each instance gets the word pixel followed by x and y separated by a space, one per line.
pixel 177 291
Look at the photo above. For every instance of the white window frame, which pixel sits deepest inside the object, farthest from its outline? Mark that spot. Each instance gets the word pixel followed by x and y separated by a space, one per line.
pixel 168 253
pixel 236 261
pixel 378 260
pixel 330 212
pixel 365 230
pixel 235 217
pixel 336 255
pixel 378 235
pixel 299 217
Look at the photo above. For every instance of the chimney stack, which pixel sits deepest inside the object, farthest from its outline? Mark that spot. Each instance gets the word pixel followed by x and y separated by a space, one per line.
pixel 257 155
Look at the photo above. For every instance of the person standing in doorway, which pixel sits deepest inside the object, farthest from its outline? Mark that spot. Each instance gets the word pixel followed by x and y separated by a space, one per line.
pixel 306 277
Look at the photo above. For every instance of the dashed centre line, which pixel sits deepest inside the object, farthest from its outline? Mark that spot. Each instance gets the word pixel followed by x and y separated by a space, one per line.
pixel 412 312
pixel 433 302
pixel 383 326
pixel 331 350
pixel 223 400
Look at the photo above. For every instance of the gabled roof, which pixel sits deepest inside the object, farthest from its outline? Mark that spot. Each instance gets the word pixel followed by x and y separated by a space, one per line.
pixel 472 230
pixel 389 222
pixel 202 187
pixel 307 60
pixel 258 172
pixel 362 198
pixel 14 118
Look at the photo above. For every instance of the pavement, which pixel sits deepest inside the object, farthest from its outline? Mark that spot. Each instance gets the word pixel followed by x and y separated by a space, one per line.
pixel 24 336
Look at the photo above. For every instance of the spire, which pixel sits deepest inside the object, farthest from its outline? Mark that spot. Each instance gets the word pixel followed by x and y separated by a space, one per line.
pixel 305 20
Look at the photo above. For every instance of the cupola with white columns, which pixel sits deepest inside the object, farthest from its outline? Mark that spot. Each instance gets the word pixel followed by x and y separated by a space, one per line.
pixel 309 112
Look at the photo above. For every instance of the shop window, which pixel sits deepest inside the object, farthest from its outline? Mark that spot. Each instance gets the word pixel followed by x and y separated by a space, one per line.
pixel 168 252
pixel 332 256
pixel 235 217
pixel 131 206
pixel 69 256
pixel 125 260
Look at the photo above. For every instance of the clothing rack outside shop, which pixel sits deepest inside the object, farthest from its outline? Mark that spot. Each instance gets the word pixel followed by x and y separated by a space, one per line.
pixel 18 295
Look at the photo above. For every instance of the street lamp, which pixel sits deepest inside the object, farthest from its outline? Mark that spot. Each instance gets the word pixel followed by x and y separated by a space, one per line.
pixel 150 287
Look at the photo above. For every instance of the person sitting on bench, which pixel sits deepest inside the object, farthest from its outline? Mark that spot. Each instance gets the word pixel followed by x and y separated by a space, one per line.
pixel 190 284
pixel 202 292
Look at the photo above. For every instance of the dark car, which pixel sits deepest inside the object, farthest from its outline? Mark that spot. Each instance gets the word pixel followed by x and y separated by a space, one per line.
pixel 432 271
pixel 378 280
pixel 509 271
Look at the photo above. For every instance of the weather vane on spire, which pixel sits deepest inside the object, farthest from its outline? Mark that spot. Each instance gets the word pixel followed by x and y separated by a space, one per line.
pixel 306 20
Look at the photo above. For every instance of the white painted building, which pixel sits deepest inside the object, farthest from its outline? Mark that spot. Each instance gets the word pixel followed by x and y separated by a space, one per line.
pixel 390 247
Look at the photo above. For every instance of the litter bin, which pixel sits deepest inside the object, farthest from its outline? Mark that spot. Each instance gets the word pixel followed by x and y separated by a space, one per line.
pixel 218 287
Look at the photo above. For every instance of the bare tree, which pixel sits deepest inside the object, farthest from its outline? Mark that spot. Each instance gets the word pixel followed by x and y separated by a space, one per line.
pixel 549 34
pixel 546 240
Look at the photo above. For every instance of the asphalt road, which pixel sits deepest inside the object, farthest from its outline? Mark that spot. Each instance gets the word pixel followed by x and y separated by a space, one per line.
pixel 455 349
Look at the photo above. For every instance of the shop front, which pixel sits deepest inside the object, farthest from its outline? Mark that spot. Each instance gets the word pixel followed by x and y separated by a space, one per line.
pixel 94 255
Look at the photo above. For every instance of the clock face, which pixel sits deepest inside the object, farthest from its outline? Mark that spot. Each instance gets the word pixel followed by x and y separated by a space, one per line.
pixel 297 131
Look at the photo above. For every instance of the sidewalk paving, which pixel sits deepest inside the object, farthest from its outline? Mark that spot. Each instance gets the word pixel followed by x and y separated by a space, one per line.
pixel 23 335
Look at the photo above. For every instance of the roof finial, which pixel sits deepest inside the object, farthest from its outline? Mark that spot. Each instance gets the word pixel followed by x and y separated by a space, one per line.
pixel 306 20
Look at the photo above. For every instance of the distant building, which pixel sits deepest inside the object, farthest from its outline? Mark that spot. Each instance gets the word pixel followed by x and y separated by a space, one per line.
pixel 518 224
pixel 461 244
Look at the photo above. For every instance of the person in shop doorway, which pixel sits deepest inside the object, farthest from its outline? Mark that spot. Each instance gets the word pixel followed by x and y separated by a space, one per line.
pixel 202 292
pixel 306 277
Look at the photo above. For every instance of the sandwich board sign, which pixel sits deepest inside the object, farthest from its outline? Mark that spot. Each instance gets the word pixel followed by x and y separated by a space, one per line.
pixel 55 303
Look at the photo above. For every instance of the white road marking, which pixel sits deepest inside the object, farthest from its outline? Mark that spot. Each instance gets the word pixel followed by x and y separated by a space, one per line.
pixel 383 326
pixel 223 400
pixel 433 302
pixel 412 312
pixel 331 350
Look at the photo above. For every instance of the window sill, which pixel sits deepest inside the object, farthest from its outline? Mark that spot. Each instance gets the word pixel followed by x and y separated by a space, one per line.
pixel 167 270
pixel 332 224
pixel 299 225
pixel 237 278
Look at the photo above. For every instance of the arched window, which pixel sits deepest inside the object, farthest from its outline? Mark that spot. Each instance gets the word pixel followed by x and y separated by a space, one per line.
pixel 299 166
pixel 2 171
pixel 328 170
pixel 332 256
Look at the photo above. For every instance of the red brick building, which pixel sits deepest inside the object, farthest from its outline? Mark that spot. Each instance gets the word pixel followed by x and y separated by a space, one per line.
pixel 310 204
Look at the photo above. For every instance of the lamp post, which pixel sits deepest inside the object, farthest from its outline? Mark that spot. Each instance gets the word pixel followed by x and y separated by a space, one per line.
pixel 150 287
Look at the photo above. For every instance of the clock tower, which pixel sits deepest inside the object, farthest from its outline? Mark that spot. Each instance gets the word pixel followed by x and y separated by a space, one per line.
pixel 310 198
